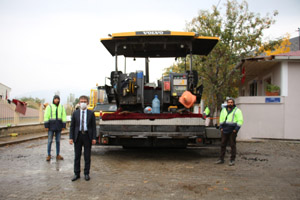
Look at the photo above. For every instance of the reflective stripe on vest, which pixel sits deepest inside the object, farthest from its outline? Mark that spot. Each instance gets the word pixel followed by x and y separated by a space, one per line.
pixel 50 111
pixel 234 114
pixel 56 111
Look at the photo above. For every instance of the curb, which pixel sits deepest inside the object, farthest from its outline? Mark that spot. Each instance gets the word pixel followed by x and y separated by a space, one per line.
pixel 5 143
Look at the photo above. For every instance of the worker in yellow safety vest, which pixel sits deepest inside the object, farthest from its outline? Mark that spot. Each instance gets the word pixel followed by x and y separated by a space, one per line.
pixel 54 121
pixel 231 120
pixel 207 115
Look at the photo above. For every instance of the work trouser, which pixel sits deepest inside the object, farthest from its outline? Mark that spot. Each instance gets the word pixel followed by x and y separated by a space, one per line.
pixel 84 141
pixel 231 138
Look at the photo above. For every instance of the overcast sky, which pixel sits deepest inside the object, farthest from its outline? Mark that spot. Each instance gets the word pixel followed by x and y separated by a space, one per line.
pixel 50 45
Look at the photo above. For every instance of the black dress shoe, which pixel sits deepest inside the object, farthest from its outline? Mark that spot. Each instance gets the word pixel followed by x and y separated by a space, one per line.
pixel 75 177
pixel 87 177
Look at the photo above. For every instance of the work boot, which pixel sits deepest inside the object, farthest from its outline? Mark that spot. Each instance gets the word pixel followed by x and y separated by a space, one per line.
pixel 231 163
pixel 219 162
pixel 48 158
pixel 59 157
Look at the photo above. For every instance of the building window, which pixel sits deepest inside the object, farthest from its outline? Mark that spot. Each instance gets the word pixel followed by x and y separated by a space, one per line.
pixel 253 88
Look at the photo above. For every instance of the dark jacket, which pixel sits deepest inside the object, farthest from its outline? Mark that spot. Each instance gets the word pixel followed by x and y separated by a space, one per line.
pixel 75 123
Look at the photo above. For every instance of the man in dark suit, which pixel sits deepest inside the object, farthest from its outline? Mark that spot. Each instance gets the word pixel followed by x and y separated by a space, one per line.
pixel 82 133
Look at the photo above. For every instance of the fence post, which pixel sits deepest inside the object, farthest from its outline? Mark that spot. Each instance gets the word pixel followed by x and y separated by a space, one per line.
pixel 41 114
pixel 16 118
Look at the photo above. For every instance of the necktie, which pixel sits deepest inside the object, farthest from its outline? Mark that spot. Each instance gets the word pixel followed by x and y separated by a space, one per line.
pixel 82 121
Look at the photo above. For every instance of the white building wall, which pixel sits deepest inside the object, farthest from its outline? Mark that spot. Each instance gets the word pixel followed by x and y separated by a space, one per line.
pixel 3 90
pixel 261 120
pixel 284 79
pixel 274 120
pixel 292 104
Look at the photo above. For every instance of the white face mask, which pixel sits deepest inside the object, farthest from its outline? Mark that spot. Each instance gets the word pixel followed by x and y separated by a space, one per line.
pixel 83 106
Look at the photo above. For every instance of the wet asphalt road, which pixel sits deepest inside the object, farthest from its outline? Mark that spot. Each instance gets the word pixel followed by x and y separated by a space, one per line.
pixel 263 170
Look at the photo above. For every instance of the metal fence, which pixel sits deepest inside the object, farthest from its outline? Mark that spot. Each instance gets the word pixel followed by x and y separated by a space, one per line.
pixel 8 116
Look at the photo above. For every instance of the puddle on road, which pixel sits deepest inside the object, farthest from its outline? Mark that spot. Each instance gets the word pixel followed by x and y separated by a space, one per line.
pixel 60 165
pixel 46 168
pixel 254 159
pixel 22 156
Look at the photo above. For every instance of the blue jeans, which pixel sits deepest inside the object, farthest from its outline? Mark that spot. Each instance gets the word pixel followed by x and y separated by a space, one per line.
pixel 57 140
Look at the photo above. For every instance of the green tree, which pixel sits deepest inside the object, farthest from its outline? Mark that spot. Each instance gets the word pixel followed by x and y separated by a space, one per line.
pixel 76 101
pixel 283 47
pixel 178 67
pixel 33 102
pixel 241 33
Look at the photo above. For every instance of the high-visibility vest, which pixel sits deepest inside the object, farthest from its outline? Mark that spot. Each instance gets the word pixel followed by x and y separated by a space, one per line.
pixel 207 111
pixel 50 113
pixel 234 118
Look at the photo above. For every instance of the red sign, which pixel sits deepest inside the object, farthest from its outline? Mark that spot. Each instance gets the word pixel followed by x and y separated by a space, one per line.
pixel 20 106
pixel 243 75
pixel 167 86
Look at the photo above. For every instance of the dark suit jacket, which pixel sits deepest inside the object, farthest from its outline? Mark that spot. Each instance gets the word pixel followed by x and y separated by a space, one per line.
pixel 75 123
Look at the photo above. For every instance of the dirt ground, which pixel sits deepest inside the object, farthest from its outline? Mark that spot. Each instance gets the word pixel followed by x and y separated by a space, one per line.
pixel 263 170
